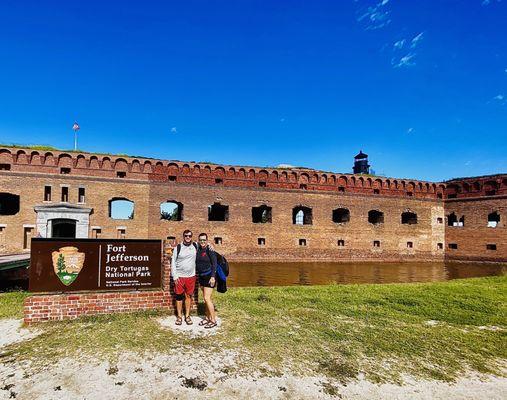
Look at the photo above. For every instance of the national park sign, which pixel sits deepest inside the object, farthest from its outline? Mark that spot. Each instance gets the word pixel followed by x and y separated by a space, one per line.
pixel 94 264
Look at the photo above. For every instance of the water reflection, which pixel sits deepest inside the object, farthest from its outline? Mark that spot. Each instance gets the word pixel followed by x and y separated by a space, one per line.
pixel 287 274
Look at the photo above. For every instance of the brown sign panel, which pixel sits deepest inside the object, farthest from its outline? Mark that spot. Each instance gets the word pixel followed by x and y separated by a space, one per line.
pixel 72 265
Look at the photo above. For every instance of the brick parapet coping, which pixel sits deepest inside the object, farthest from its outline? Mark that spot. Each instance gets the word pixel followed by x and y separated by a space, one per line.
pixel 61 306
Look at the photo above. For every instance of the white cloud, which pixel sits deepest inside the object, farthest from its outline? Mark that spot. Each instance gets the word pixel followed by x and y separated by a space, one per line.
pixel 499 97
pixel 376 16
pixel 410 130
pixel 282 119
pixel 399 44
pixel 174 130
pixel 405 61
pixel 505 70
pixel 468 162
pixel 415 41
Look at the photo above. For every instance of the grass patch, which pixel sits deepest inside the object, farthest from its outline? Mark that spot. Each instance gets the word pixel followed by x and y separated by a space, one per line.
pixel 11 304
pixel 335 330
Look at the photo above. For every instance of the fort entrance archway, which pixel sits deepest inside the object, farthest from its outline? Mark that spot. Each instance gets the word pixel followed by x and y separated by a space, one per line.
pixel 63 228
pixel 55 220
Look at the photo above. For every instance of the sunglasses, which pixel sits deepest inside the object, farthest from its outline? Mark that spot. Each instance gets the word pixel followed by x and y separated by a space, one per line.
pixel 203 240
pixel 187 235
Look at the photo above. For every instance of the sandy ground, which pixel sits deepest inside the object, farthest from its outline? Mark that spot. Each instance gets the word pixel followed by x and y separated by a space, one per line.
pixel 11 331
pixel 191 374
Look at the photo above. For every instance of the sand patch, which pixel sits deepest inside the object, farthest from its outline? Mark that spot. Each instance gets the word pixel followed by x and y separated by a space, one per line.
pixel 194 330
pixel 12 331
pixel 191 374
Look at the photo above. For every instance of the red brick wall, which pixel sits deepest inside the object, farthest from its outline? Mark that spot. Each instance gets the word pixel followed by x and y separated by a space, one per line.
pixel 57 307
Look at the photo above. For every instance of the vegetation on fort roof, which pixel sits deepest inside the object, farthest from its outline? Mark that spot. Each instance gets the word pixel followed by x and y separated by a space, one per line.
pixel 431 330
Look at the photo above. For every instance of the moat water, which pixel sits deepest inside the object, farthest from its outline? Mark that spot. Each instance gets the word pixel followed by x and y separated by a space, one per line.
pixel 320 273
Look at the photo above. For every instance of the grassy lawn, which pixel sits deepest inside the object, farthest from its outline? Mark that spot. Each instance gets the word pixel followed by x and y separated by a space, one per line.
pixel 432 330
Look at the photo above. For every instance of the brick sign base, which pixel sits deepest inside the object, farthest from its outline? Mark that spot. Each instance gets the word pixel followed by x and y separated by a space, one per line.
pixel 57 307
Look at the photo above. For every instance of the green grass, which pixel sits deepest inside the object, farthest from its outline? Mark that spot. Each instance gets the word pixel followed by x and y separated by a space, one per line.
pixel 11 304
pixel 335 330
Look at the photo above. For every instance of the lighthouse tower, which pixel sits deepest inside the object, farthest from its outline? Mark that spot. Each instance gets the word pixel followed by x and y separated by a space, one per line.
pixel 361 165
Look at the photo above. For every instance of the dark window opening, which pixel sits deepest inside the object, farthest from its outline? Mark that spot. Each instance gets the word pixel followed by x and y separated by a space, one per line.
pixel 440 220
pixel 376 191
pixel 261 241
pixel 218 212
pixel 172 178
pixel 491 246
pixel 341 242
pixel 375 217
pixel 440 246
pixel 121 174
pixel 47 193
pixel 9 204
pixel 410 194
pixel 453 246
pixel 410 245
pixel 302 215
pixel 493 219
pixel 81 195
pixel 261 214
pixel 65 194
pixel 341 215
pixel 491 192
pixel 121 233
pixel 376 243
pixel 303 186
pixel 171 211
pixel 452 196
pixel 262 184
pixel 302 242
pixel 452 220
pixel 439 195
pixel 341 189
pixel 219 181
pixel 64 171
pixel 408 218
pixel 121 208
pixel 218 240
pixel 5 167
pixel 171 240
pixel 96 233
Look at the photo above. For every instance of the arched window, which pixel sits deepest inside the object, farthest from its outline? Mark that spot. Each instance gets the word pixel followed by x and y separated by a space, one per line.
pixel 261 214
pixel 408 218
pixel 171 211
pixel 493 219
pixel 341 215
pixel 218 212
pixel 121 208
pixel 375 217
pixel 302 215
pixel 9 204
pixel 452 220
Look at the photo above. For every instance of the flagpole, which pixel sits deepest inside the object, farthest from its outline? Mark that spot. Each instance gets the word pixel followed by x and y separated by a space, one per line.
pixel 75 128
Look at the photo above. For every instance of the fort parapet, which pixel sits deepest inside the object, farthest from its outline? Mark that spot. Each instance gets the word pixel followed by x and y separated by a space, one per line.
pixel 250 213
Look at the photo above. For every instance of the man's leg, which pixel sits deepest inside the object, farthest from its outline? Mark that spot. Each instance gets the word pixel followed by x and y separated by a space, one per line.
pixel 188 304
pixel 179 307
pixel 209 303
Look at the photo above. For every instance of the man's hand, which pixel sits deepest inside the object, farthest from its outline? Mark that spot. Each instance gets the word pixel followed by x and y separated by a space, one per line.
pixel 210 246
pixel 212 282
pixel 176 281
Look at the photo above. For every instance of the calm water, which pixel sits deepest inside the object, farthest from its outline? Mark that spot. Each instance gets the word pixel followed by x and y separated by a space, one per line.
pixel 286 274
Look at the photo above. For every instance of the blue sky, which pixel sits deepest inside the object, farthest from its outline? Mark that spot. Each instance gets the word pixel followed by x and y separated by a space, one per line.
pixel 421 86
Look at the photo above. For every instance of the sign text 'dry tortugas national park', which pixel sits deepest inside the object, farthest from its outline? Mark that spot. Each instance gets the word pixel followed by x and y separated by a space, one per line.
pixel 94 264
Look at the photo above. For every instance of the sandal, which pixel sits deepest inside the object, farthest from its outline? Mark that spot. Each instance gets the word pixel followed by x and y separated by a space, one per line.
pixel 188 320
pixel 204 321
pixel 210 325
pixel 179 321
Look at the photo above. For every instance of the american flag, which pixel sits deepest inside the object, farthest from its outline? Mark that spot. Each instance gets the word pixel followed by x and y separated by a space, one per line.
pixel 75 127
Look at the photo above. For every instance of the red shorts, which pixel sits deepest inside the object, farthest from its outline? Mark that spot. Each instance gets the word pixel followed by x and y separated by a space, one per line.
pixel 185 285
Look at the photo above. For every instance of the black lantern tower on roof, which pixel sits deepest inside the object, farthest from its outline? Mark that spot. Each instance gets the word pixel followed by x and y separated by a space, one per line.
pixel 361 165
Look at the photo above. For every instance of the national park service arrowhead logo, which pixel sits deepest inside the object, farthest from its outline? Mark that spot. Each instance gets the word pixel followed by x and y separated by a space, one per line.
pixel 67 263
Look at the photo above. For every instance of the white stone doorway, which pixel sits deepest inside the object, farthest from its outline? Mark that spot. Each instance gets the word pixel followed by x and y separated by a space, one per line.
pixel 63 221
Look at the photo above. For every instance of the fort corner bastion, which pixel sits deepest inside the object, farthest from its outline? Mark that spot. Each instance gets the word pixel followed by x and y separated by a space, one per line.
pixel 250 213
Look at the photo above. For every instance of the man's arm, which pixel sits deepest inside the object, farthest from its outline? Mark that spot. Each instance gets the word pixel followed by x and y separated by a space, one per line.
pixel 213 259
